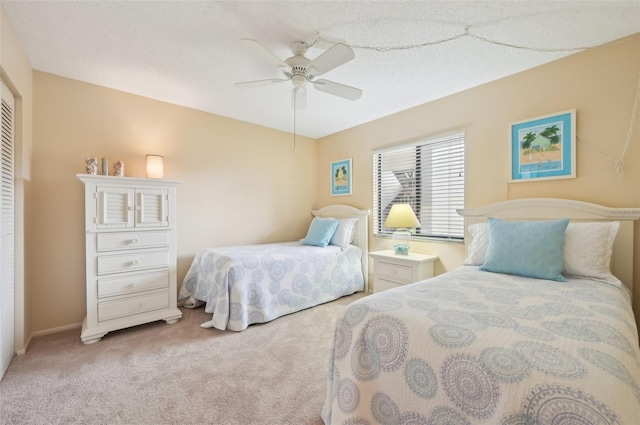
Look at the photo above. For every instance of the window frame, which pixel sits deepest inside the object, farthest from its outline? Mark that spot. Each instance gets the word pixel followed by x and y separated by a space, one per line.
pixel 380 210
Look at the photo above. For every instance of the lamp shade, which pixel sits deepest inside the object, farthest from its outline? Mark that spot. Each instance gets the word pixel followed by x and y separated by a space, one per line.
pixel 401 216
pixel 155 166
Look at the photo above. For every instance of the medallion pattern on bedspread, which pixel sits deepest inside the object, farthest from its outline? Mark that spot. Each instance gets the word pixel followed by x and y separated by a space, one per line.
pixel 254 284
pixel 472 347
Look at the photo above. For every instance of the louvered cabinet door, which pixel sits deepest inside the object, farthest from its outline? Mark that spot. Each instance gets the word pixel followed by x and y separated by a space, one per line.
pixel 115 207
pixel 151 208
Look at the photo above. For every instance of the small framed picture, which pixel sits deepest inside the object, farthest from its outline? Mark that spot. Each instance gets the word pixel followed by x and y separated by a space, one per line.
pixel 341 177
pixel 544 148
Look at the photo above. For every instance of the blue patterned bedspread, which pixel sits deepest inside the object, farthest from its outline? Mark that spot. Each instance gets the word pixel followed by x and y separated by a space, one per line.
pixel 473 347
pixel 242 285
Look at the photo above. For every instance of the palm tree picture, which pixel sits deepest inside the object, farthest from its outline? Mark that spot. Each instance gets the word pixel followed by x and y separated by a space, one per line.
pixel 340 177
pixel 544 147
pixel 541 145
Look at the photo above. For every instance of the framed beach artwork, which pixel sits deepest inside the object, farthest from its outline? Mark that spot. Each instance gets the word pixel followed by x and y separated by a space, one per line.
pixel 544 148
pixel 341 177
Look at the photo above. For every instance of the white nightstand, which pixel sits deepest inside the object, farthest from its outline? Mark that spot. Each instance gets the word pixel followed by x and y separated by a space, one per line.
pixel 391 270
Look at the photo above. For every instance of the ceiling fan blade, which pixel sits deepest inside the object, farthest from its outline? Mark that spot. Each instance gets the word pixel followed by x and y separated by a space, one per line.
pixel 299 98
pixel 337 89
pixel 261 51
pixel 259 83
pixel 331 59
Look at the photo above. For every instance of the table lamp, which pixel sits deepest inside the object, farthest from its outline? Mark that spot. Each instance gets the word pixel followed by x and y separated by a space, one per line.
pixel 402 218
pixel 155 166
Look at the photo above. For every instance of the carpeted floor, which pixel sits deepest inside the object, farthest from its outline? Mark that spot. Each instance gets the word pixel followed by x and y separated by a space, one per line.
pixel 274 373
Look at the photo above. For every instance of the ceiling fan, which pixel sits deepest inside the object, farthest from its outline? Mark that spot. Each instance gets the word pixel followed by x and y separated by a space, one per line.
pixel 302 71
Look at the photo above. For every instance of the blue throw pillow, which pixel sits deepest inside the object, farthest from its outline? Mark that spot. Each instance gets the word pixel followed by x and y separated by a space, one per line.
pixel 526 248
pixel 321 231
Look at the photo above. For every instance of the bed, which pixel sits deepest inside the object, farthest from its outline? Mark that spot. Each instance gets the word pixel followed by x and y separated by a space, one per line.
pixel 243 285
pixel 479 346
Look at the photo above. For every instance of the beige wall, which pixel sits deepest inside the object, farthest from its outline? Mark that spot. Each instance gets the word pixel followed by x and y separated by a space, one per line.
pixel 241 183
pixel 599 83
pixel 238 178
pixel 16 72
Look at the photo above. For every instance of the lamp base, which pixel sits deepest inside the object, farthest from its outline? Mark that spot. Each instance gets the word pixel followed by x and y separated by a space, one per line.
pixel 401 240
pixel 401 249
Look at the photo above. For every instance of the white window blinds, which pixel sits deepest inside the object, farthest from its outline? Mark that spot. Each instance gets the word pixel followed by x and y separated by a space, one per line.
pixel 429 175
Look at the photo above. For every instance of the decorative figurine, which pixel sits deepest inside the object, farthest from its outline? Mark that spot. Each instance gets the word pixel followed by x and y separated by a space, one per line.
pixel 118 169
pixel 92 166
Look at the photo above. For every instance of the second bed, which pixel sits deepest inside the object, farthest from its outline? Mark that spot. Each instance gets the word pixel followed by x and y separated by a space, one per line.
pixel 243 285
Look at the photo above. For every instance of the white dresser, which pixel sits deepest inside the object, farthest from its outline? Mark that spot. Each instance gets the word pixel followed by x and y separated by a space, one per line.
pixel 130 226
pixel 391 270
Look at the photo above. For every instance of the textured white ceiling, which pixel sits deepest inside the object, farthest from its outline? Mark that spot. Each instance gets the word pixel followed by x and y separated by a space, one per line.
pixel 188 52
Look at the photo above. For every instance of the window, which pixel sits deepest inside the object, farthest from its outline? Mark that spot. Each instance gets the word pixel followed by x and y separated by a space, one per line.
pixel 429 175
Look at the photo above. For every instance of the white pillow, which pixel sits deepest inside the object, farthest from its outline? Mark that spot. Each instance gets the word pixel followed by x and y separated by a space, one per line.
pixel 588 249
pixel 344 233
pixel 478 247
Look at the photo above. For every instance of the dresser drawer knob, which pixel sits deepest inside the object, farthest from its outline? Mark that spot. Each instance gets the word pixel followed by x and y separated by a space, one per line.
pixel 136 284
pixel 135 241
pixel 136 306
pixel 135 262
pixel 394 272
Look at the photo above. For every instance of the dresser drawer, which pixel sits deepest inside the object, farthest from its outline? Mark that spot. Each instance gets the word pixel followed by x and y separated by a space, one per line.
pixel 135 305
pixel 132 284
pixel 131 240
pixel 395 272
pixel 131 262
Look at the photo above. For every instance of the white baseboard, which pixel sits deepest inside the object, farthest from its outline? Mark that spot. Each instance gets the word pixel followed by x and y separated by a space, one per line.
pixel 47 332
pixel 24 350
pixel 56 330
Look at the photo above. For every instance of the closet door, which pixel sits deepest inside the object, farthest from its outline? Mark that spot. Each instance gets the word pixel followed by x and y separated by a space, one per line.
pixel 7 306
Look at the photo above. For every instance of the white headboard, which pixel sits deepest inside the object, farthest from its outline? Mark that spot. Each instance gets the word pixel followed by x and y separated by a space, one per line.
pixel 551 208
pixel 360 237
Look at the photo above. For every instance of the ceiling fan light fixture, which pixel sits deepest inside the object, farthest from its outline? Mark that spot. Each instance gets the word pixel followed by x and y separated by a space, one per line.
pixel 298 80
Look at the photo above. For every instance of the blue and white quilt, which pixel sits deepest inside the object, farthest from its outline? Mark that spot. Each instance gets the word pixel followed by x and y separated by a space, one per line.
pixel 473 347
pixel 242 285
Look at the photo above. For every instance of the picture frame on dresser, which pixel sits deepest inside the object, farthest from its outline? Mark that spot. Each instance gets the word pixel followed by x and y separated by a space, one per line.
pixel 130 252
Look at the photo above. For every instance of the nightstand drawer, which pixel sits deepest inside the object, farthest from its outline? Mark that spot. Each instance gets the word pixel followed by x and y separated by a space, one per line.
pixel 131 240
pixel 135 305
pixel 132 284
pixel 132 262
pixel 384 284
pixel 395 272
